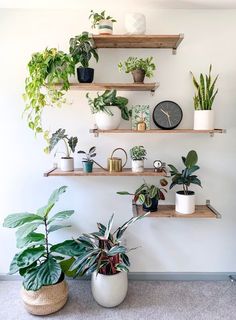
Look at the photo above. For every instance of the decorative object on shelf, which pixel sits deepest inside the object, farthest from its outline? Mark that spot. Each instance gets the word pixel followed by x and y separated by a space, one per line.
pixel 203 101
pixel 109 109
pixel 87 160
pixel 81 50
pixel 67 162
pixel 148 195
pixel 141 118
pixel 46 68
pixel 44 288
pixel 138 155
pixel 185 200
pixel 167 115
pixel 104 256
pixel 102 22
pixel 138 67
pixel 115 164
pixel 159 166
pixel 135 23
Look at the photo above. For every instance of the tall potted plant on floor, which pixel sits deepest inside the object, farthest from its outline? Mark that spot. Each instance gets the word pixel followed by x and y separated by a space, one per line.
pixel 185 199
pixel 203 101
pixel 138 155
pixel 44 289
pixel 103 22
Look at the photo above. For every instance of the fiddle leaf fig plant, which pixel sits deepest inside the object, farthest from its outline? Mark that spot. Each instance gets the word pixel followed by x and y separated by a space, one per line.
pixel 96 17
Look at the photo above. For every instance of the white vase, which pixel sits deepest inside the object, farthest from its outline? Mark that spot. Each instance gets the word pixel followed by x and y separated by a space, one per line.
pixel 203 120
pixel 67 164
pixel 185 204
pixel 105 27
pixel 105 121
pixel 135 23
pixel 109 290
pixel 137 165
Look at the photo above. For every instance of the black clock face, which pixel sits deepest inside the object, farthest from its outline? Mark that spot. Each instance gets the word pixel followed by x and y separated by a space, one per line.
pixel 167 115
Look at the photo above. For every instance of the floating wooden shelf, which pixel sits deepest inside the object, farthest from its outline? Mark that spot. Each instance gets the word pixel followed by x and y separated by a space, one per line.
pixel 118 86
pixel 168 211
pixel 100 172
pixel 138 41
pixel 96 131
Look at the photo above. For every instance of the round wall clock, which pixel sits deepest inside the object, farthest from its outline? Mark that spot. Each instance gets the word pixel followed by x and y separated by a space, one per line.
pixel 167 115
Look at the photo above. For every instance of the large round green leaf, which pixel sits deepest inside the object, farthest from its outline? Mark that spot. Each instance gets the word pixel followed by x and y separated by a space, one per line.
pixel 23 231
pixel 30 239
pixel 18 219
pixel 68 248
pixel 28 256
pixel 63 215
pixel 191 159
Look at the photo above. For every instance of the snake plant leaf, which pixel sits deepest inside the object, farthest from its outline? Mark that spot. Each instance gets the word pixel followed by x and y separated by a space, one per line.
pixel 54 227
pixel 191 159
pixel 116 250
pixel 31 239
pixel 18 219
pixel 109 226
pixel 26 229
pixel 68 248
pixel 29 256
pixel 62 215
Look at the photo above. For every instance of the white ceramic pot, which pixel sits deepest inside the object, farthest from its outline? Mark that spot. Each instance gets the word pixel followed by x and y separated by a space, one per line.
pixel 109 291
pixel 105 27
pixel 185 204
pixel 135 23
pixel 203 120
pixel 67 164
pixel 137 165
pixel 105 121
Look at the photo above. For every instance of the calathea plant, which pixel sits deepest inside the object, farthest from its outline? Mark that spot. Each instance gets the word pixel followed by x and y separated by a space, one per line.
pixel 88 159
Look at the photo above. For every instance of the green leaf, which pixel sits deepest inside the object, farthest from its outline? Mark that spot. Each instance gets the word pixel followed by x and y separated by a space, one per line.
pixel 13 266
pixel 18 219
pixel 44 211
pixel 55 227
pixel 31 239
pixel 191 159
pixel 63 215
pixel 23 231
pixel 56 194
pixel 116 250
pixel 109 226
pixel 123 193
pixel 83 258
pixel 65 266
pixel 125 259
pixel 29 256
pixel 121 267
pixel 141 198
pixel 68 248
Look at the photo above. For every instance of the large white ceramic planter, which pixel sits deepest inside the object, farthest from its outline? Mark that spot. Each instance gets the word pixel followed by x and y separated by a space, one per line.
pixel 67 164
pixel 203 120
pixel 46 300
pixel 105 121
pixel 185 204
pixel 105 27
pixel 135 23
pixel 137 165
pixel 109 291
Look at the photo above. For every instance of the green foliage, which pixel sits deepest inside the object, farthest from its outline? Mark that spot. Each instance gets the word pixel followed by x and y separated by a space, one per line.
pixel 186 177
pixel 102 251
pixel 134 63
pixel 138 153
pixel 60 135
pixel 145 193
pixel 46 69
pixel 109 98
pixel 81 49
pixel 37 261
pixel 205 91
pixel 96 17
pixel 88 156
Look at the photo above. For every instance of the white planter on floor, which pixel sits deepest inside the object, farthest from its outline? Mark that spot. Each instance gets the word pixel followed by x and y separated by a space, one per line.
pixel 105 27
pixel 105 121
pixel 135 23
pixel 137 165
pixel 203 120
pixel 185 204
pixel 67 164
pixel 109 290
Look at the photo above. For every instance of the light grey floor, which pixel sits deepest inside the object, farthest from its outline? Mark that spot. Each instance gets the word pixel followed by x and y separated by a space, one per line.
pixel 159 300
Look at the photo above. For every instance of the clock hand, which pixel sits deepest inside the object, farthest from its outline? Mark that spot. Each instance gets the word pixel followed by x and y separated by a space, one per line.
pixel 164 112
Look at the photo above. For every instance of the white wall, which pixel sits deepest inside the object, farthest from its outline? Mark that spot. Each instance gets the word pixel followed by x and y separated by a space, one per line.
pixel 167 244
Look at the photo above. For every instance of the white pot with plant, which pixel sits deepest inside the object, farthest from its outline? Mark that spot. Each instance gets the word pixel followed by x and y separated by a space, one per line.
pixel 109 109
pixel 106 259
pixel 138 67
pixel 185 199
pixel 138 155
pixel 203 101
pixel 67 162
pixel 39 262
pixel 103 22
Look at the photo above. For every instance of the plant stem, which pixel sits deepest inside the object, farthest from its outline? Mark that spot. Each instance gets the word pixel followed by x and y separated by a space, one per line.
pixel 67 148
pixel 46 237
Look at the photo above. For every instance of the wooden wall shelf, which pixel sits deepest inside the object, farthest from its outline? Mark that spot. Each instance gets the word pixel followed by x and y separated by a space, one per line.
pixel 97 172
pixel 138 41
pixel 118 86
pixel 168 211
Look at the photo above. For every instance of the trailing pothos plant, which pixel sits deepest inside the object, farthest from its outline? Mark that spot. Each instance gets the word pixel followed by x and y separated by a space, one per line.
pixel 37 261
pixel 134 63
pixel 46 69
pixel 97 17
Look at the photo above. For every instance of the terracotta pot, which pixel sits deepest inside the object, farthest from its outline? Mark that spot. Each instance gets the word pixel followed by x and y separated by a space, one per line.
pixel 138 75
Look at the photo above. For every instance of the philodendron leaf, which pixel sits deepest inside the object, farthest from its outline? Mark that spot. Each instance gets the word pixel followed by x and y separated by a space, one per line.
pixel 191 159
pixel 18 219
pixel 23 231
pixel 68 248
pixel 61 215
pixel 29 256
pixel 55 227
pixel 31 239
pixel 46 274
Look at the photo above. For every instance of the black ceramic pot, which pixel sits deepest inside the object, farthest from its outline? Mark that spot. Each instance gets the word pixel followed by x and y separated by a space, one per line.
pixel 153 207
pixel 85 75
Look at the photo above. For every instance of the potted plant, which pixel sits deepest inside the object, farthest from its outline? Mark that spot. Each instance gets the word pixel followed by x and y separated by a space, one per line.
pixel 82 50
pixel 67 162
pixel 148 195
pixel 203 101
pixel 138 155
pixel 44 289
pixel 138 67
pixel 103 255
pixel 102 22
pixel 87 160
pixel 185 199
pixel 109 109
pixel 46 84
